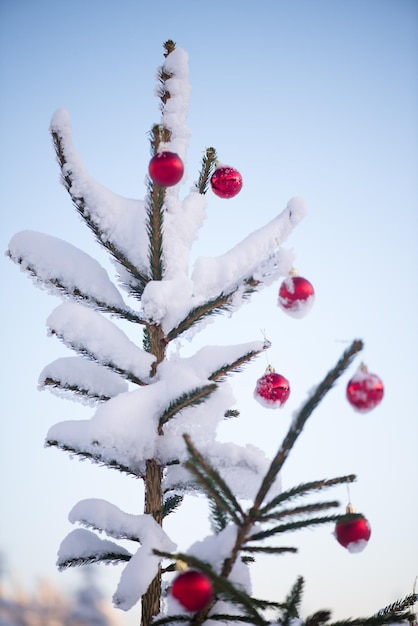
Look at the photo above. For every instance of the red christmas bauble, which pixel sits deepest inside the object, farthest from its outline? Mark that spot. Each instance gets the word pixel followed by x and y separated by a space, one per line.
pixel 353 534
pixel 364 390
pixel 192 589
pixel 296 296
pixel 166 169
pixel 226 182
pixel 272 390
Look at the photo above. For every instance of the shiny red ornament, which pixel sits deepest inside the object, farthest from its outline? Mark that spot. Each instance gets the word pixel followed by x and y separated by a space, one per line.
pixel 353 534
pixel 192 589
pixel 226 182
pixel 166 169
pixel 272 390
pixel 296 296
pixel 364 390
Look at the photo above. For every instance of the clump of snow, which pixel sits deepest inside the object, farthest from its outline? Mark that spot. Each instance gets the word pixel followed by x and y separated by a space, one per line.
pixel 216 275
pixel 357 546
pixel 142 566
pixel 121 220
pixel 301 307
pixel 182 221
pixel 175 109
pixel 81 544
pixel 56 262
pixel 87 331
pixel 258 256
pixel 78 373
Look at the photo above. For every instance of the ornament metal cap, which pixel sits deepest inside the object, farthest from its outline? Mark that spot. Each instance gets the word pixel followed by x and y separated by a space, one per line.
pixel 350 508
pixel 181 566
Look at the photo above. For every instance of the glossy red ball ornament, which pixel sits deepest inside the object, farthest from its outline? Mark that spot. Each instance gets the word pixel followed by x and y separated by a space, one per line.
pixel 272 390
pixel 166 169
pixel 364 390
pixel 296 296
pixel 226 182
pixel 192 589
pixel 353 534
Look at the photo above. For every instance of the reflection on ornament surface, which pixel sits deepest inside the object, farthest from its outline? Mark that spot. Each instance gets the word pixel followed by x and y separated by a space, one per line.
pixel 166 169
pixel 226 182
pixel 272 390
pixel 364 390
pixel 192 589
pixel 296 296
pixel 353 534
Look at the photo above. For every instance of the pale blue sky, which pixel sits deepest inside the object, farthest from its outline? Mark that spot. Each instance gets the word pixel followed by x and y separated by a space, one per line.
pixel 314 98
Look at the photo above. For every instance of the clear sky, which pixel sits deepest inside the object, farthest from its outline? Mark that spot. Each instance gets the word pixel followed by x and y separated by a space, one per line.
pixel 311 98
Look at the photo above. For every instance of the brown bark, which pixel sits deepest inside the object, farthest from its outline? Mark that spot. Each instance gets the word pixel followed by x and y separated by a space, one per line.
pixel 153 493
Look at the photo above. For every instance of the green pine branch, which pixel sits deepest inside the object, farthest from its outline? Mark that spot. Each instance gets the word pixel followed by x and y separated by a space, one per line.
pixel 223 303
pixel 79 391
pixel 139 280
pixel 208 167
pixel 74 293
pixel 290 609
pixel 299 510
pixel 95 458
pixel 236 366
pixel 92 357
pixel 197 314
pixel 170 504
pixel 222 587
pixel 154 206
pixel 410 600
pixel 191 398
pixel 210 477
pixel 300 420
pixel 218 516
pixel 269 549
pixel 291 526
pixel 375 620
pixel 163 76
pixel 303 489
pixel 108 557
pixel 318 618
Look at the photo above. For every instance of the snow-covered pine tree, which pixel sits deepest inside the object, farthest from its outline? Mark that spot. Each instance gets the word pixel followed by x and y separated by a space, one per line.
pixel 157 412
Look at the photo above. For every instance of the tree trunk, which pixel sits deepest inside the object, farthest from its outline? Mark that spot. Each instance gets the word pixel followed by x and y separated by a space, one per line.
pixel 153 506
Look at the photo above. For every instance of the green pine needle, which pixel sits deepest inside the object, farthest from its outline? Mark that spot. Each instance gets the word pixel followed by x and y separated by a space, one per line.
pixel 292 602
pixel 207 169
pixel 191 398
pixel 197 461
pixel 304 488
pixel 282 528
pixel 171 504
pixel 109 557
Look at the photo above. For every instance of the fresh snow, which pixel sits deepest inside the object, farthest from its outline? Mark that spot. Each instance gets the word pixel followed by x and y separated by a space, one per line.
pixel 357 546
pixel 83 544
pixel 124 429
pixel 121 220
pixel 58 263
pixel 143 566
pixel 89 332
pixel 78 373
